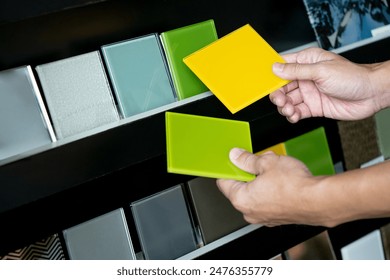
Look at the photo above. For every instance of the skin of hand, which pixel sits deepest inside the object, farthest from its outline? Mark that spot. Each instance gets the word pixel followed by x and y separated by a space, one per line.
pixel 324 84
pixel 285 192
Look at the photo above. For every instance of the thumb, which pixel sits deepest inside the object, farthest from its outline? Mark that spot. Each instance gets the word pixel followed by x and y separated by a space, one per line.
pixel 244 160
pixel 294 71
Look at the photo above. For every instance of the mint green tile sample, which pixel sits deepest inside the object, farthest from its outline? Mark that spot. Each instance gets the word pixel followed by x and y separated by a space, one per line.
pixel 312 149
pixel 200 146
pixel 181 42
pixel 382 120
pixel 139 74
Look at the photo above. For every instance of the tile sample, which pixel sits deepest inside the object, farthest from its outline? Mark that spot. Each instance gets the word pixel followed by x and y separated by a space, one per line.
pixel 383 131
pixel 237 68
pixel 200 146
pixel 77 94
pixel 103 238
pixel 24 122
pixel 46 249
pixel 215 214
pixel 139 74
pixel 318 247
pixel 312 149
pixel 180 42
pixel 164 226
pixel 369 247
pixel 278 149
pixel 385 234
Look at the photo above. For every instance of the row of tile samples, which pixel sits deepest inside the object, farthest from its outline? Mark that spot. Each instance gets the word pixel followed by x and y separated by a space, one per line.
pixel 177 221
pixel 91 90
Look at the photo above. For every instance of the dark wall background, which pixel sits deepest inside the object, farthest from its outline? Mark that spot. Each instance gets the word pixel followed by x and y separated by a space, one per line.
pixel 35 32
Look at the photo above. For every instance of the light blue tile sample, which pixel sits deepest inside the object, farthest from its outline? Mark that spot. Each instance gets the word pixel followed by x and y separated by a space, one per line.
pixel 164 226
pixel 139 74
pixel 103 238
pixel 78 94
pixel 24 123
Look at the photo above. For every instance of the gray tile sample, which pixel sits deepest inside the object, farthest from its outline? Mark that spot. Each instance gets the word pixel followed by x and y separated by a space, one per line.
pixel 139 74
pixel 103 238
pixel 164 226
pixel 383 131
pixel 215 214
pixel 318 247
pixel 368 247
pixel 78 94
pixel 385 234
pixel 24 122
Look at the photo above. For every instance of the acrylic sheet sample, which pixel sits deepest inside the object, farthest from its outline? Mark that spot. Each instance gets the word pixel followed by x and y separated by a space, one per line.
pixel 180 42
pixel 164 226
pixel 312 149
pixel 237 68
pixel 215 214
pixel 78 94
pixel 24 123
pixel 105 237
pixel 200 146
pixel 139 74
pixel 338 23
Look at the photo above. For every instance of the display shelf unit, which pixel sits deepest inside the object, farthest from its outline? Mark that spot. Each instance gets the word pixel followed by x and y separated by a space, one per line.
pixel 68 182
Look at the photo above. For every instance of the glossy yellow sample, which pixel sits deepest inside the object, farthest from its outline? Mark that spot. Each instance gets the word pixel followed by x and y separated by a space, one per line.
pixel 237 68
pixel 279 149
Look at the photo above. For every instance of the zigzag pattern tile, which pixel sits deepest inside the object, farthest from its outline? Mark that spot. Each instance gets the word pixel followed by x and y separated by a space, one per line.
pixel 46 249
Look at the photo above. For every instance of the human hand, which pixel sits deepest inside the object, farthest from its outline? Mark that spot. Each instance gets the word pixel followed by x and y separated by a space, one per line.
pixel 280 194
pixel 325 84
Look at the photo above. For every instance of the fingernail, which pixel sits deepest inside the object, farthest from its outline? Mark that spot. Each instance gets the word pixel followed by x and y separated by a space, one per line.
pixel 278 67
pixel 235 153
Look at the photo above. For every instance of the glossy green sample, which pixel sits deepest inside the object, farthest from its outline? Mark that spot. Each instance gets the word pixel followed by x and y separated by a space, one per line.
pixel 198 145
pixel 139 74
pixel 179 43
pixel 312 149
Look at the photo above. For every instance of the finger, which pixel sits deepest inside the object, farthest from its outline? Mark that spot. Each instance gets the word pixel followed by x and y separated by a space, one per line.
pixel 295 71
pixel 246 161
pixel 229 187
pixel 278 97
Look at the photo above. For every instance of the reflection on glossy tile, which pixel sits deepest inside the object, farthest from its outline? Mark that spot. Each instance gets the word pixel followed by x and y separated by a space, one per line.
pixel 180 42
pixel 277 258
pixel 139 74
pixel 103 238
pixel 215 214
pixel 164 226
pixel 318 247
pixel 369 247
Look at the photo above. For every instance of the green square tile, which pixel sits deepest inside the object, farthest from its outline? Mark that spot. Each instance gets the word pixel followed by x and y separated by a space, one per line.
pixel 312 149
pixel 179 43
pixel 199 146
